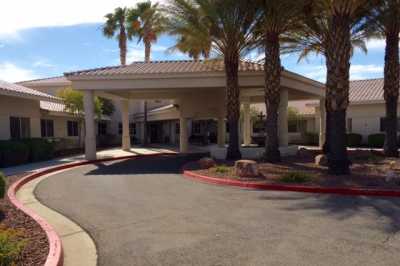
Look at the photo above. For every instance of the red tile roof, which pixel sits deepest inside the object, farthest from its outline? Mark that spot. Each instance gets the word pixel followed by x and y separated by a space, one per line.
pixel 53 81
pixel 366 90
pixel 166 67
pixel 22 91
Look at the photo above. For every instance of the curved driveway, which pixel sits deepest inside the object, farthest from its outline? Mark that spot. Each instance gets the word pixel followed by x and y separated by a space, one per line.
pixel 143 212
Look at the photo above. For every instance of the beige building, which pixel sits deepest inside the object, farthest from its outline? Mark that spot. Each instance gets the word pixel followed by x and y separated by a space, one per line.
pixel 28 113
pixel 365 114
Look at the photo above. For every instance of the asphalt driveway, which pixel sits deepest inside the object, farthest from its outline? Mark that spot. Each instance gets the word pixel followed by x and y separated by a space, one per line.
pixel 143 212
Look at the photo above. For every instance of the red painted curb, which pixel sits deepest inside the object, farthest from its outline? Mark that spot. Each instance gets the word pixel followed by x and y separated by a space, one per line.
pixel 55 256
pixel 294 188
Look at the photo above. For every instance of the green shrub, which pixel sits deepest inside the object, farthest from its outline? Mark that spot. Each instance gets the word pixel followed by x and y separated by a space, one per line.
pixel 13 153
pixel 354 140
pixel 311 138
pixel 2 185
pixel 39 149
pixel 11 245
pixel 295 177
pixel 376 140
pixel 222 169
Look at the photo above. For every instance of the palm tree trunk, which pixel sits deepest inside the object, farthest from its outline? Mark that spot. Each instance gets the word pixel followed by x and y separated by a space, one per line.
pixel 231 60
pixel 338 67
pixel 391 90
pixel 147 51
pixel 272 68
pixel 122 45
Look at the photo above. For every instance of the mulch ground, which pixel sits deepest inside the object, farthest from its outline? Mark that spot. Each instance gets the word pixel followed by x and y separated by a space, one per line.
pixel 37 247
pixel 369 169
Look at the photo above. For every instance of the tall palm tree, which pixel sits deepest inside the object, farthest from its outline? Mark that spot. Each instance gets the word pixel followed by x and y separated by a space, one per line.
pixel 231 25
pixel 115 25
pixel 280 18
pixel 147 23
pixel 333 27
pixel 193 36
pixel 386 23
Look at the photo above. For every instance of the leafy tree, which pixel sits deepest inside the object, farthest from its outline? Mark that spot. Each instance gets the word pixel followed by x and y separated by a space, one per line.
pixel 73 101
pixel 385 23
pixel 146 22
pixel 231 24
pixel 107 106
pixel 115 26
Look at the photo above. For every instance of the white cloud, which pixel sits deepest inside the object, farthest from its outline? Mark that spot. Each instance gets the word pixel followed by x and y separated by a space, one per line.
pixel 43 64
pixel 12 73
pixel 376 44
pixel 134 54
pixel 45 13
pixel 357 71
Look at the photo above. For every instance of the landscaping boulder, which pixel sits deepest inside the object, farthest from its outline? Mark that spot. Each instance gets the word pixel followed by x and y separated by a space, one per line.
pixel 246 168
pixel 321 160
pixel 207 162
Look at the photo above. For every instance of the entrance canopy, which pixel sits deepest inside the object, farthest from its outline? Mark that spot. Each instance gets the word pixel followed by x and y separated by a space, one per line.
pixel 197 88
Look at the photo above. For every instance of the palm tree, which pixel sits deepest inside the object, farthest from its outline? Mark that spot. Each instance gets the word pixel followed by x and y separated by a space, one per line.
pixel 193 36
pixel 386 23
pixel 147 23
pixel 231 24
pixel 280 18
pixel 333 28
pixel 115 26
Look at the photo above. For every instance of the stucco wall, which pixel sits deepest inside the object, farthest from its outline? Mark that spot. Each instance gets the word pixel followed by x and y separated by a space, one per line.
pixel 19 107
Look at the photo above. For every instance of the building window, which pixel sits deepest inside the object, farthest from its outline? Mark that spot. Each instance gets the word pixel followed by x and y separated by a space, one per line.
pixel 20 127
pixel 177 129
pixel 72 127
pixel 292 126
pixel 102 128
pixel 196 128
pixel 349 125
pixel 132 129
pixel 47 128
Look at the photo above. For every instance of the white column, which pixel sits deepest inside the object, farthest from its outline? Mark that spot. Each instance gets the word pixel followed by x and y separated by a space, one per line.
pixel 246 124
pixel 221 132
pixel 90 134
pixel 183 135
pixel 322 122
pixel 283 133
pixel 126 138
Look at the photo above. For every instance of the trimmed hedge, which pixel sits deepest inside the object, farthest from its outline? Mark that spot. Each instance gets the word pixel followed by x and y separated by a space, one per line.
pixel 2 185
pixel 376 140
pixel 311 138
pixel 39 149
pixel 13 153
pixel 354 140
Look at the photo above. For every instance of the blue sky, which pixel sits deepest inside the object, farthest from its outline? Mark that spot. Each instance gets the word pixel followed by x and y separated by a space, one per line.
pixel 46 43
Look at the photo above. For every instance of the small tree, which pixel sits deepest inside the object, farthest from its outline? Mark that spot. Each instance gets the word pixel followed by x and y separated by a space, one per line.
pixel 73 101
pixel 107 105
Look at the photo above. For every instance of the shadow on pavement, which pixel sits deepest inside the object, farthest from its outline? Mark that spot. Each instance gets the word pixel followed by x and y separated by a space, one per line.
pixel 167 164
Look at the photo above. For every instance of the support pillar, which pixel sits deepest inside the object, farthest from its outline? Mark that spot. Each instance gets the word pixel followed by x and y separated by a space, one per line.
pixel 283 131
pixel 126 138
pixel 183 135
pixel 322 122
pixel 221 132
pixel 246 124
pixel 90 133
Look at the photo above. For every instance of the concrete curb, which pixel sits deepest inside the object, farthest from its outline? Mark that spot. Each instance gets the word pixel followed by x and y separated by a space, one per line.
pixel 55 256
pixel 294 188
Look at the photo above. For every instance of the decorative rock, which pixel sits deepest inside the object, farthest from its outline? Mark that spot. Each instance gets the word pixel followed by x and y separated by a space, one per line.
pixel 321 160
pixel 246 168
pixel 206 163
